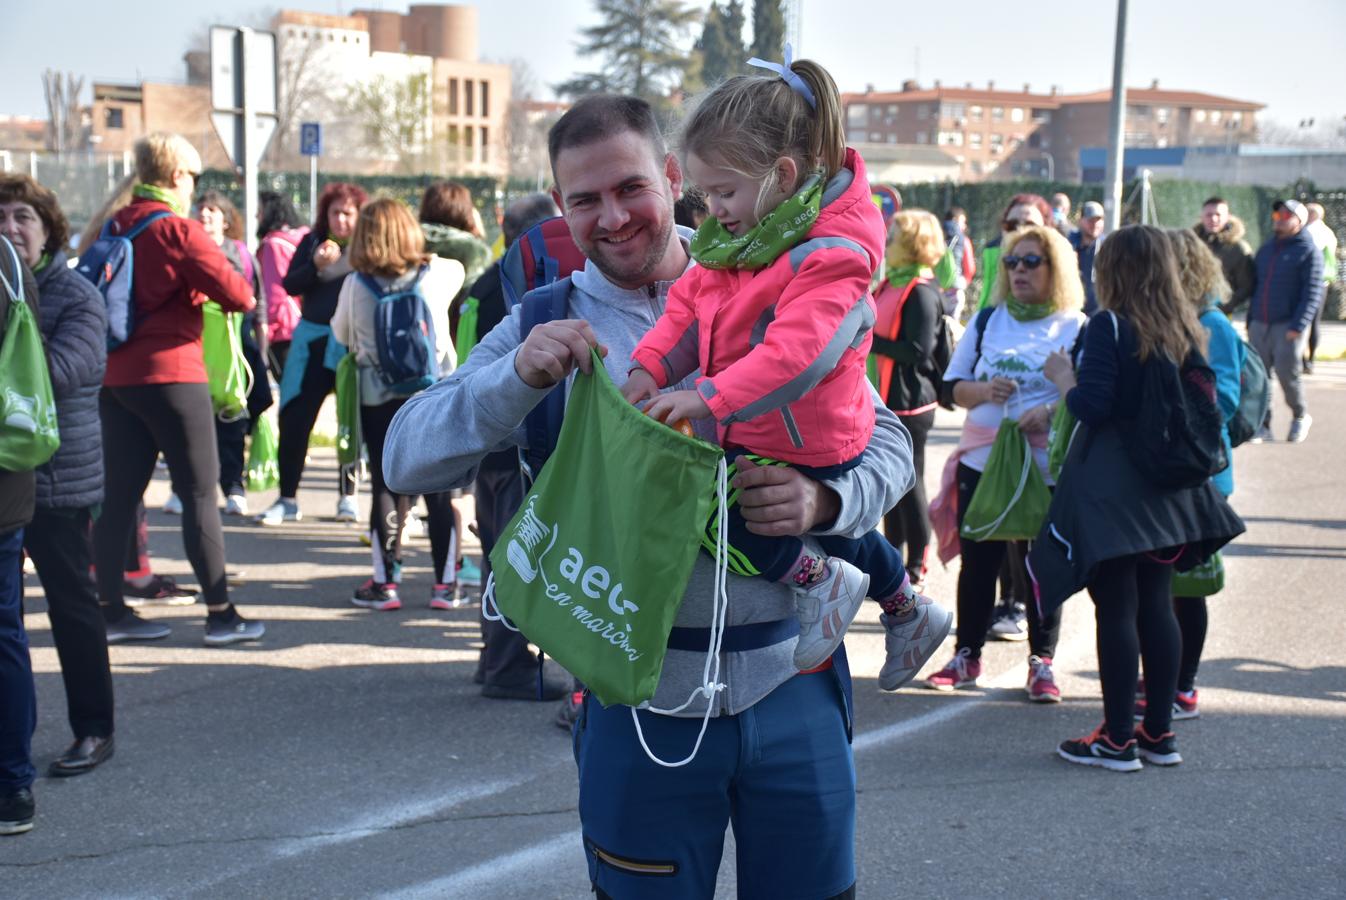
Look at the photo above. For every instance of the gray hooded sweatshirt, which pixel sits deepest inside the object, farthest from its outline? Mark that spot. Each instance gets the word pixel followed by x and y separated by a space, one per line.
pixel 438 439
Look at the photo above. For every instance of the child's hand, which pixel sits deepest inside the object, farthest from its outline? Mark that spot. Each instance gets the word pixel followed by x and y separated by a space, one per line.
pixel 640 385
pixel 675 405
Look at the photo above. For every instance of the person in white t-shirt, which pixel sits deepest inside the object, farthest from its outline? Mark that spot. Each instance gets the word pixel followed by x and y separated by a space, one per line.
pixel 1036 310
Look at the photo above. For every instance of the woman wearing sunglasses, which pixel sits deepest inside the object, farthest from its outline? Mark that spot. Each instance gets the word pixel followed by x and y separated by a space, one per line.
pixel 1021 211
pixel 996 371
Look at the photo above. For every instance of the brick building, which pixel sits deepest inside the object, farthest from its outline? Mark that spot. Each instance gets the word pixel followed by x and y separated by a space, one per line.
pixel 998 133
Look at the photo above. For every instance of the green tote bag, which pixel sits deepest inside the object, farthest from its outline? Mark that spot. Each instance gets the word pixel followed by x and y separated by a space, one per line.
pixel 1064 426
pixel 593 566
pixel 1011 500
pixel 227 370
pixel 28 432
pixel 348 411
pixel 263 456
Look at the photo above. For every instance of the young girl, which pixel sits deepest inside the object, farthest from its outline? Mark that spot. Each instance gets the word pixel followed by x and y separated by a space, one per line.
pixel 1128 529
pixel 388 249
pixel 777 318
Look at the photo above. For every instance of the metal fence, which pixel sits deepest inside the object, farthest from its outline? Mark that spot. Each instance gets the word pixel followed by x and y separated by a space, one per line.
pixel 82 181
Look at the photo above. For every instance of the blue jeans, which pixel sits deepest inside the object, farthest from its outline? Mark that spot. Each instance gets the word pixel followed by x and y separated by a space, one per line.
pixel 18 700
pixel 781 772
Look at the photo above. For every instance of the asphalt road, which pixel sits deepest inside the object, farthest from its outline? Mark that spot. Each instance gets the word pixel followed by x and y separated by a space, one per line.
pixel 349 755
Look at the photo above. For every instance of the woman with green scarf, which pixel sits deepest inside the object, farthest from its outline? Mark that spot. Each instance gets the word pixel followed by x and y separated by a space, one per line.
pixel 997 371
pixel 903 365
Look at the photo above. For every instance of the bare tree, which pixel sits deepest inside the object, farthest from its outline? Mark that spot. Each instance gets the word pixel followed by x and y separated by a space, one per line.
pixel 66 129
pixel 1321 133
pixel 393 116
pixel 525 127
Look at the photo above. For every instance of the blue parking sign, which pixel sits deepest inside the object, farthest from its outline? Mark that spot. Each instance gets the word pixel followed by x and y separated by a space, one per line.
pixel 310 139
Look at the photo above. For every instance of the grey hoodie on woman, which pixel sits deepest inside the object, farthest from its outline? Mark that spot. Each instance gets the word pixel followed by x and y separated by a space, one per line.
pixel 439 438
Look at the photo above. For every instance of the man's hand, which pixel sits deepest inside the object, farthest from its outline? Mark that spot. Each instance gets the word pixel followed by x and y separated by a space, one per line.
pixel 327 253
pixel 669 408
pixel 553 349
pixel 777 501
pixel 1292 335
pixel 1035 420
pixel 640 385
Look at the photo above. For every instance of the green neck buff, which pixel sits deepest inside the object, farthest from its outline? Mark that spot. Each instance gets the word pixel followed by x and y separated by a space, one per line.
pixel 714 247
pixel 42 263
pixel 900 276
pixel 1028 312
pixel 162 194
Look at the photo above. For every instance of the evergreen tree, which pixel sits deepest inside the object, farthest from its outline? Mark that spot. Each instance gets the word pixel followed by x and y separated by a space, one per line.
pixel 768 30
pixel 720 46
pixel 639 44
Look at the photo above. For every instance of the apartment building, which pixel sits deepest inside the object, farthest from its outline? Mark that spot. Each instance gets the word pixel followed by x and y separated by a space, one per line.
pixel 1016 134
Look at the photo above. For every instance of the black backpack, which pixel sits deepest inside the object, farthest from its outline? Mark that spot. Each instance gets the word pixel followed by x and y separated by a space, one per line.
pixel 1177 439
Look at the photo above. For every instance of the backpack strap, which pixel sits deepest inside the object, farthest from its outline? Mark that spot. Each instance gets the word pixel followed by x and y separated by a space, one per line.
pixel 542 425
pixel 139 226
pixel 983 317
pixel 368 281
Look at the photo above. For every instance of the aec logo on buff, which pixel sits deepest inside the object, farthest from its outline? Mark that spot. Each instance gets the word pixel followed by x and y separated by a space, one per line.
pixel 527 563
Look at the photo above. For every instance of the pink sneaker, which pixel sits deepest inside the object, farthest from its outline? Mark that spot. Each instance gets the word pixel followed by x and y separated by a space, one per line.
pixel 1041 684
pixel 962 671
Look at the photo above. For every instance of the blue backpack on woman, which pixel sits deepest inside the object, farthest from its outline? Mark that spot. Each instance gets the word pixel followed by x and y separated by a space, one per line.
pixel 405 336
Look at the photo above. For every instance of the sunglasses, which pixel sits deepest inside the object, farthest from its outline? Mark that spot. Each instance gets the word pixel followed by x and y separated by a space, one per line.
pixel 1281 215
pixel 1011 224
pixel 1031 261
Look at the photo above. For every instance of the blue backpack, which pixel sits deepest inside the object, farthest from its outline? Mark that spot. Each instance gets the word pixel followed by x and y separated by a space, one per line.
pixel 405 336
pixel 110 265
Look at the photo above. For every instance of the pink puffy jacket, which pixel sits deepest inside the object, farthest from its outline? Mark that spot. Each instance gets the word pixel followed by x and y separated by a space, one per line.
pixel 782 350
pixel 274 255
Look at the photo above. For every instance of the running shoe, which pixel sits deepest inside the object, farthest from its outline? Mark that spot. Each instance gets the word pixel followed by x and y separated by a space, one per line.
pixel 469 574
pixel 16 811
pixel 910 643
pixel 377 596
pixel 173 505
pixel 1041 683
pixel 1162 750
pixel 281 511
pixel 236 505
pixel 825 610
pixel 1299 429
pixel 222 634
pixel 347 510
pixel 1263 435
pixel 1184 704
pixel 1097 749
pixel 1011 624
pixel 962 671
pixel 160 590
pixel 130 627
pixel 444 596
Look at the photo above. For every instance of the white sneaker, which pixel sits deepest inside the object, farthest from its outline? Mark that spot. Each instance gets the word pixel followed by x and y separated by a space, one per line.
pixel 825 612
pixel 347 510
pixel 173 506
pixel 1010 626
pixel 908 644
pixel 281 511
pixel 1299 429
pixel 236 505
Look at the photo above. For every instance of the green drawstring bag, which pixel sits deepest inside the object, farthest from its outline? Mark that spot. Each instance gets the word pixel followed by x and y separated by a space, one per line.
pixel 1205 580
pixel 263 456
pixel 467 328
pixel 593 566
pixel 1064 426
pixel 227 370
pixel 348 411
pixel 28 432
pixel 1011 500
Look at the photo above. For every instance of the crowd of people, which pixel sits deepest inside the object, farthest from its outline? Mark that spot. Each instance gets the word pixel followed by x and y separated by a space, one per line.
pixel 801 319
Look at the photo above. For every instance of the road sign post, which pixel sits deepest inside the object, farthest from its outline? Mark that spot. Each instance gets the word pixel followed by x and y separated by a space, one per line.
pixel 310 145
pixel 243 101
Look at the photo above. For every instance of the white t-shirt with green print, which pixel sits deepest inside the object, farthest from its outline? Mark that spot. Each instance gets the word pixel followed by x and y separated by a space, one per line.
pixel 1015 350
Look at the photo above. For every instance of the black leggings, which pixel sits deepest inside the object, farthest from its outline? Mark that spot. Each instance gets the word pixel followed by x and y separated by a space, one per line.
pixel 388 510
pixel 1192 622
pixel 1133 609
pixel 908 523
pixel 297 419
pixel 138 423
pixel 977 579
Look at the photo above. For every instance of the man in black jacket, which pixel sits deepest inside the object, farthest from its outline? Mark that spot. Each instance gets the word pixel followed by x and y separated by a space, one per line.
pixel 18 702
pixel 1223 233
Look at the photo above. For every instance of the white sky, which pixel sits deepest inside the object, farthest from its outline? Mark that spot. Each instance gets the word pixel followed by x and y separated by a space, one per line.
pixel 1288 57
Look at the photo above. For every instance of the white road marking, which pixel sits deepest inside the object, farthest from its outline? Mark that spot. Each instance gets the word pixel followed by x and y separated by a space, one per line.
pixel 496 872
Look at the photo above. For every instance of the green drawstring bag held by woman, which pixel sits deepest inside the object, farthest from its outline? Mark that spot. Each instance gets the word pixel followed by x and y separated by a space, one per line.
pixel 263 456
pixel 1011 500
pixel 348 411
pixel 593 566
pixel 28 433
pixel 227 370
pixel 1064 426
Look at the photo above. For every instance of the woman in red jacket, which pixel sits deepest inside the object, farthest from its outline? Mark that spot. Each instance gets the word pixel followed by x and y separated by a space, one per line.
pixel 155 397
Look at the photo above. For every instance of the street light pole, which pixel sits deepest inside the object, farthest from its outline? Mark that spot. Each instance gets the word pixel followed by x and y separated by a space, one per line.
pixel 1112 195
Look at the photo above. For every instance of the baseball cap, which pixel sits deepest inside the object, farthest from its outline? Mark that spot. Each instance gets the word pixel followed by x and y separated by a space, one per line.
pixel 1092 210
pixel 1295 207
